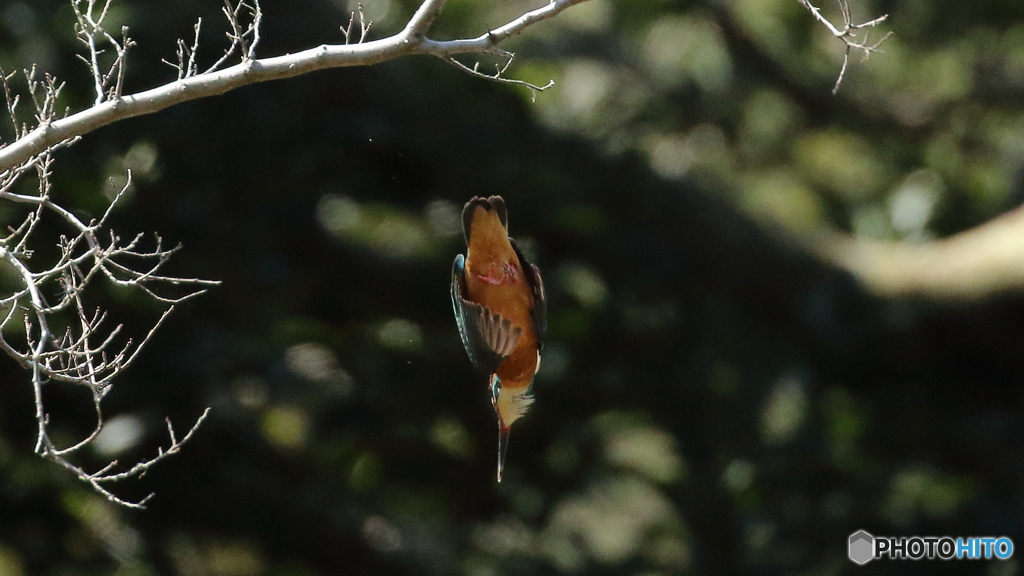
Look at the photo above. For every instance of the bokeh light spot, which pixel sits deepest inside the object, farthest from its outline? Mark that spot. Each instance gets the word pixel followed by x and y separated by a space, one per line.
pixel 365 473
pixel 318 363
pixel 286 427
pixel 235 559
pixel 450 435
pixel 584 284
pixel 784 411
pixel 119 434
pixel 739 475
pixel 400 334
pixel 381 534
pixel 645 449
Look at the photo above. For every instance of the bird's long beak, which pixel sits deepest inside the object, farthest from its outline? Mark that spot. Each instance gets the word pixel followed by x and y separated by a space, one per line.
pixel 502 446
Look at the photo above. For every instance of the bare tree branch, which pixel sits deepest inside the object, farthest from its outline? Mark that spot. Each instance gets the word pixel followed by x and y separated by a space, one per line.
pixel 364 25
pixel 107 84
pixel 424 17
pixel 410 41
pixel 849 34
pixel 107 474
pixel 65 341
pixel 83 352
pixel 186 65
pixel 973 264
pixel 497 76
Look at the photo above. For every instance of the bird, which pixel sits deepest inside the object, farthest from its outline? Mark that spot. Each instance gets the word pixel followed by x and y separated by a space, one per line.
pixel 500 309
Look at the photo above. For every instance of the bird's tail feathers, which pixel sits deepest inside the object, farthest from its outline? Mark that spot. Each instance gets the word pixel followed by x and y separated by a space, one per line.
pixel 492 203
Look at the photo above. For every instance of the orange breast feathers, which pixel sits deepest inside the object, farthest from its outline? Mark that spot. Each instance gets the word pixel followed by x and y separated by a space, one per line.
pixel 494 278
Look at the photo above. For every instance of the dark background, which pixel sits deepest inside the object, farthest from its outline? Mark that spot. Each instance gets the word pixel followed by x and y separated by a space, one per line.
pixel 713 399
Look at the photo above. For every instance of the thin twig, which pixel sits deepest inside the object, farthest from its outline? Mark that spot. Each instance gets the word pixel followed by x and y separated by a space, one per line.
pixel 497 76
pixel 848 34
pixel 411 40
pixel 64 341
pixel 364 25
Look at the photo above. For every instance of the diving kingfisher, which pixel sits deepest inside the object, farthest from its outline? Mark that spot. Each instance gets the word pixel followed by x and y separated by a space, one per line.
pixel 500 309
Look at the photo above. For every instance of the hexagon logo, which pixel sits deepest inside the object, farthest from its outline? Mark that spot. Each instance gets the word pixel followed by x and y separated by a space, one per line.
pixel 862 547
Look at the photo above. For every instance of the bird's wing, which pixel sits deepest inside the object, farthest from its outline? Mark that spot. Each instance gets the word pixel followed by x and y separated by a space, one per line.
pixel 488 337
pixel 539 312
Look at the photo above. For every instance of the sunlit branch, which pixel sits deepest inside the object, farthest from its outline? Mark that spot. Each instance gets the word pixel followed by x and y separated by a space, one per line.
pixel 410 41
pixel 848 33
pixel 64 340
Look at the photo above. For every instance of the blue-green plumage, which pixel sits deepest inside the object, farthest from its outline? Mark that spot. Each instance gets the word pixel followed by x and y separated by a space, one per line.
pixel 500 306
pixel 487 337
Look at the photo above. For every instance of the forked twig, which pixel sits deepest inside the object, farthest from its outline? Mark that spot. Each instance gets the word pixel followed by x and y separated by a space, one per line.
pixel 45 323
pixel 364 25
pixel 65 341
pixel 849 34
pixel 498 75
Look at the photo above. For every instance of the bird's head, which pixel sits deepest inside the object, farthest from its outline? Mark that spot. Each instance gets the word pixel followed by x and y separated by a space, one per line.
pixel 510 403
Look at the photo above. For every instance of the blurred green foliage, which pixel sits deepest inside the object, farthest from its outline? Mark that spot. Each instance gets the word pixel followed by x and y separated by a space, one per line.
pixel 711 400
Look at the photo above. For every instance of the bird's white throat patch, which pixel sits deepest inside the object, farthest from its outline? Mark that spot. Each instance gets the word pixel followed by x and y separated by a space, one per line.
pixel 511 405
